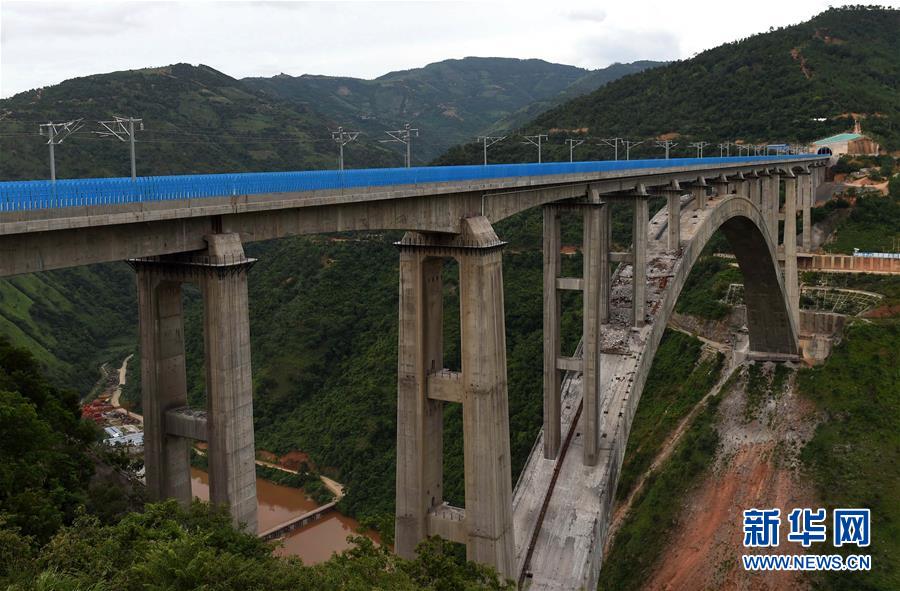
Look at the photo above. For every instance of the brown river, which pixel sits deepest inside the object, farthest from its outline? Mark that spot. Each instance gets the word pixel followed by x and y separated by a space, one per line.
pixel 313 543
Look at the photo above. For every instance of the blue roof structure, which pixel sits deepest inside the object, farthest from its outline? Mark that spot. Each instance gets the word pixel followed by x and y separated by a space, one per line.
pixel 841 137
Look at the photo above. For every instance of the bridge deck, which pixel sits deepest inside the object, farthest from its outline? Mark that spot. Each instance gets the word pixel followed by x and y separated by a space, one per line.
pixel 567 550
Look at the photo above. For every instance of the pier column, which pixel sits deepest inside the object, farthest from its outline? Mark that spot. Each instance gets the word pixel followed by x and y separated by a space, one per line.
pixel 639 266
pixel 163 382
pixel 552 375
pixel 722 185
pixel 419 418
pixel 595 301
pixel 791 279
pixel 485 524
pixel 229 385
pixel 488 475
pixel 774 204
pixel 806 203
pixel 673 234
pixel 699 191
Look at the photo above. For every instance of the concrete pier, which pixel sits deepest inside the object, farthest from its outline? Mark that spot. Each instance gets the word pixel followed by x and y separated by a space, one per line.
pixel 485 525
pixel 488 473
pixel 699 191
pixel 791 285
pixel 229 384
pixel 639 266
pixel 673 217
pixel 595 299
pixel 163 382
pixel 807 197
pixel 774 204
pixel 419 418
pixel 552 352
pixel 221 271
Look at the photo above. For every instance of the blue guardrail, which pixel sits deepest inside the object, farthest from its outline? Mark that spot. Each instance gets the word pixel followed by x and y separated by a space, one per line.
pixel 26 195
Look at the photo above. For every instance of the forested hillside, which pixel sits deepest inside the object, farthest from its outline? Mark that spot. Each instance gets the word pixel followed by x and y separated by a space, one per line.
pixel 196 120
pixel 449 101
pixel 323 309
pixel 771 87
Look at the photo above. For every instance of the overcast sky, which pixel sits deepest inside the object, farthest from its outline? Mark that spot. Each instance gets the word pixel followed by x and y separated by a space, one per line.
pixel 43 43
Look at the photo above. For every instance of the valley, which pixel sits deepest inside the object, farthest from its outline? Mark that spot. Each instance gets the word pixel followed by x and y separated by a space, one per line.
pixel 715 432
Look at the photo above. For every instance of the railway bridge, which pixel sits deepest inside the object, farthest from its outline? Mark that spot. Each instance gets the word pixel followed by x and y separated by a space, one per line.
pixel 548 531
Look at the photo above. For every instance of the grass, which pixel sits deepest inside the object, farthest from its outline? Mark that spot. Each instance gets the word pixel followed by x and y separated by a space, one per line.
pixel 854 455
pixel 873 226
pixel 706 285
pixel 653 516
pixel 678 379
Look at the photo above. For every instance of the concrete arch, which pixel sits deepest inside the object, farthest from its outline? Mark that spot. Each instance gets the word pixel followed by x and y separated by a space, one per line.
pixel 578 516
pixel 772 328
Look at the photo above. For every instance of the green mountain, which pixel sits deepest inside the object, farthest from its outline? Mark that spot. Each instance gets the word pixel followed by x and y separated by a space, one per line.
pixel 196 120
pixel 791 84
pixel 325 374
pixel 449 101
pixel 584 85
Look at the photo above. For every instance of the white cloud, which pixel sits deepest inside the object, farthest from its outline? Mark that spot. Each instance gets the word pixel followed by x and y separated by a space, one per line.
pixel 44 43
pixel 627 46
pixel 596 15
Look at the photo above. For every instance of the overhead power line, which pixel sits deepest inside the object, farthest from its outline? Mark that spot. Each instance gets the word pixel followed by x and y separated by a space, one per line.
pixel 122 128
pixel 535 140
pixel 342 138
pixel 402 136
pixel 699 146
pixel 612 142
pixel 56 134
pixel 630 144
pixel 667 144
pixel 489 141
pixel 573 143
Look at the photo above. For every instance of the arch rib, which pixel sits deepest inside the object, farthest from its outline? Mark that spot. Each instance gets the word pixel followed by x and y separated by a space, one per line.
pixel 576 513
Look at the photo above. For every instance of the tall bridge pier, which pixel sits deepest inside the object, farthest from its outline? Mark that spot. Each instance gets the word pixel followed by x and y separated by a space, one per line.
pixel 227 424
pixel 424 386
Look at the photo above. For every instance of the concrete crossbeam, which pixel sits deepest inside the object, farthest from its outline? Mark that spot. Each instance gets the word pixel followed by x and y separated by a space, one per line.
pixel 445 386
pixel 448 522
pixel 570 283
pixel 187 423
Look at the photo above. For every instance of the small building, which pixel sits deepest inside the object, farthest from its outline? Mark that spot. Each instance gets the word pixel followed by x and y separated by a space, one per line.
pixel 846 143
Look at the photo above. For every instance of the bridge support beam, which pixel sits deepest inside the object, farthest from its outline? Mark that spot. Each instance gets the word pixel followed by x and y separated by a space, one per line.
pixel 163 384
pixel 774 206
pixel 722 185
pixel 806 189
pixel 552 351
pixel 594 285
pixel 639 266
pixel 419 418
pixel 791 279
pixel 487 517
pixel 229 384
pixel 673 225
pixel 595 300
pixel 221 271
pixel 699 191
